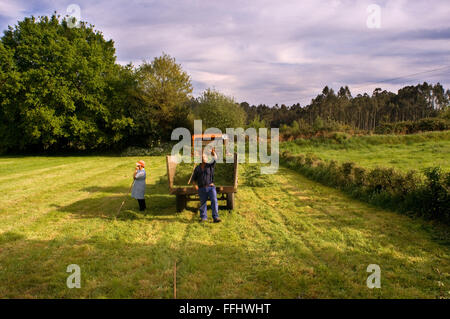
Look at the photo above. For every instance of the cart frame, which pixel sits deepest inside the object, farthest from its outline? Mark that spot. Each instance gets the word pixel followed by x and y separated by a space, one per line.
pixel 189 193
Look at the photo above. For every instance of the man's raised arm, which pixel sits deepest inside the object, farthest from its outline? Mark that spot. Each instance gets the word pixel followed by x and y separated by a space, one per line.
pixel 214 154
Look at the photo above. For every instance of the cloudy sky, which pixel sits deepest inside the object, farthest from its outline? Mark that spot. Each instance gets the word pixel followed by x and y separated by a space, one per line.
pixel 270 52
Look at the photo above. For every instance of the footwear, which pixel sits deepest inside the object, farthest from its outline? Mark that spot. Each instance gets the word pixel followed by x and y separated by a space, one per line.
pixel 203 220
pixel 217 220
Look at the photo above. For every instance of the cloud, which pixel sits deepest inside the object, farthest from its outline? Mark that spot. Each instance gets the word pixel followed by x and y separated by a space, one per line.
pixel 270 52
pixel 9 11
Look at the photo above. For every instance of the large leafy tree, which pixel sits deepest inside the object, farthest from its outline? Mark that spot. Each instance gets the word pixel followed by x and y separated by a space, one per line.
pixel 164 92
pixel 218 110
pixel 57 87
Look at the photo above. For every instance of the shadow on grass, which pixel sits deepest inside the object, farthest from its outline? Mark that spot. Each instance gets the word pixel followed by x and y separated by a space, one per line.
pixel 108 206
pixel 158 200
pixel 160 187
pixel 99 205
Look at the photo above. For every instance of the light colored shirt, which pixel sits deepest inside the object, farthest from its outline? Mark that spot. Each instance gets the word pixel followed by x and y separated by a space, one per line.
pixel 138 190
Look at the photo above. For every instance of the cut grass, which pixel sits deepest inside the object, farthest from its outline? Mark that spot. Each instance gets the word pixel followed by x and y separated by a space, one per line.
pixel 405 152
pixel 288 237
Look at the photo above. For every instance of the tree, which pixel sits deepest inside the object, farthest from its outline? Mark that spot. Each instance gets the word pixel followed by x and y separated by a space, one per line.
pixel 164 90
pixel 257 123
pixel 365 112
pixel 54 84
pixel 218 110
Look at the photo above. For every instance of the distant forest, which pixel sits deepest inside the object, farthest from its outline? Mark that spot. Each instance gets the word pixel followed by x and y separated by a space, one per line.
pixel 364 112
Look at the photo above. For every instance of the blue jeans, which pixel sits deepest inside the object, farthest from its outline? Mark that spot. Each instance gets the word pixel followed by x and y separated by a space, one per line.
pixel 204 193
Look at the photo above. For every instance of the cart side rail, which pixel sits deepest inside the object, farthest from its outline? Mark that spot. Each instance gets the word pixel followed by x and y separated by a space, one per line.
pixel 235 177
pixel 171 167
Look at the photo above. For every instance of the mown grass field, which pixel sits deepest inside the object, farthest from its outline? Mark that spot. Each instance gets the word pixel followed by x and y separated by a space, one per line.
pixel 289 237
pixel 415 151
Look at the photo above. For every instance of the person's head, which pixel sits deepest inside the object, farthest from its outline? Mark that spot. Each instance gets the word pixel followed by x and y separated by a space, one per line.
pixel 140 165
pixel 204 158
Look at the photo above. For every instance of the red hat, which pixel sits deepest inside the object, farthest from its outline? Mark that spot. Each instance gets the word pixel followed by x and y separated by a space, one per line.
pixel 141 162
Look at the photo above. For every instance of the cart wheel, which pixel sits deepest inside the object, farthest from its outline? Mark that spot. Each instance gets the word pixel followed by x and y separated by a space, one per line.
pixel 230 201
pixel 181 202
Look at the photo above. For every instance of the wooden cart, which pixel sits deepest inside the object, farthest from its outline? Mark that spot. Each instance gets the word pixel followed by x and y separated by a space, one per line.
pixel 188 193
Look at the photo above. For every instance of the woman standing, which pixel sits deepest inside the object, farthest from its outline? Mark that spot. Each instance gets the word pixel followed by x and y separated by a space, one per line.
pixel 138 191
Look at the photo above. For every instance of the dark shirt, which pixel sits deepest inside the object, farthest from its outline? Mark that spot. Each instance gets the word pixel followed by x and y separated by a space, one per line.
pixel 204 177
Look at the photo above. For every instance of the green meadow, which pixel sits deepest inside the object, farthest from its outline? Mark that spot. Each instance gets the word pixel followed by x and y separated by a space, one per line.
pixel 404 152
pixel 288 237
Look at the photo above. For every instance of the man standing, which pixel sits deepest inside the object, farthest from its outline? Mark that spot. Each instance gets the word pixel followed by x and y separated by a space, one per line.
pixel 203 180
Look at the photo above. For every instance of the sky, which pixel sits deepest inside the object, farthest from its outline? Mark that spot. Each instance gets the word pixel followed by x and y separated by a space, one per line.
pixel 271 52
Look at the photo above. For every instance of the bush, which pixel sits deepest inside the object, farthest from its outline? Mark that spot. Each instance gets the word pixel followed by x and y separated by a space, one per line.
pixel 410 127
pixel 156 150
pixel 435 194
pixel 340 137
pixel 360 176
pixel 320 127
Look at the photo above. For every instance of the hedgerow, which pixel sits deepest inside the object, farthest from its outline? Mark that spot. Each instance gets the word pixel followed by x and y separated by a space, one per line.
pixel 426 195
pixel 410 127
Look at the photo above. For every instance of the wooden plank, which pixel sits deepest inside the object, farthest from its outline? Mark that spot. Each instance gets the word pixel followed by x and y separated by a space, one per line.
pixel 225 189
pixel 183 191
pixel 171 167
pixel 235 172
pixel 191 190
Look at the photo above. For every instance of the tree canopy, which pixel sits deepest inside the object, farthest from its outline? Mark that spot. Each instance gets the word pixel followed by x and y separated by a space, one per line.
pixel 54 84
pixel 61 88
pixel 218 110
pixel 164 91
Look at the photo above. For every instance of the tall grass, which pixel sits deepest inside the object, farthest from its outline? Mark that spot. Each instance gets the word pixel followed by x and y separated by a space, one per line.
pixel 410 127
pixel 347 141
pixel 402 152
